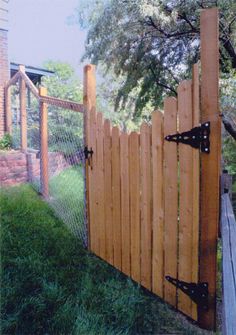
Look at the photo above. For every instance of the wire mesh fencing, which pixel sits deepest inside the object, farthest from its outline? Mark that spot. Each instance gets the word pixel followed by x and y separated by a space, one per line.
pixel 65 155
pixel 66 168
pixel 15 111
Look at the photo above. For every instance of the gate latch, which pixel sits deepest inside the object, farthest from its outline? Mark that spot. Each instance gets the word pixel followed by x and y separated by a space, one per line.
pixel 88 153
pixel 197 137
pixel 197 292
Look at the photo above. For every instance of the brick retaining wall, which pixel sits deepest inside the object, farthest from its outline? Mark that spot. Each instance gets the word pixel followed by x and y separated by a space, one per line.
pixel 17 167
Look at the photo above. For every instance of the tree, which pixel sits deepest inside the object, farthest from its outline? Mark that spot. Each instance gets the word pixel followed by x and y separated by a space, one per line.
pixel 152 43
pixel 228 109
pixel 64 83
pixel 65 126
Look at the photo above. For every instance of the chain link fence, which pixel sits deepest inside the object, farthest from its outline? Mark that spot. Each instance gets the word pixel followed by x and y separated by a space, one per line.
pixel 65 158
pixel 66 168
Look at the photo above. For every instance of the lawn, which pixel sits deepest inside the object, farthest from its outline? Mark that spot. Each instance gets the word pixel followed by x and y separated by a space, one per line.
pixel 52 285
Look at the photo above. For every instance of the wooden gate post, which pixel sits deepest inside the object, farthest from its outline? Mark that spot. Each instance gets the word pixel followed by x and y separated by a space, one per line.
pixel 7 92
pixel 210 163
pixel 23 113
pixel 43 145
pixel 89 101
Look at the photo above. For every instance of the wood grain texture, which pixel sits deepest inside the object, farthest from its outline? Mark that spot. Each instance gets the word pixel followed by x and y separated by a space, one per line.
pixel 134 186
pixel 116 205
pixel 125 205
pixel 89 102
pixel 146 206
pixel 23 116
pixel 210 164
pixel 196 185
pixel 185 195
pixel 170 199
pixel 158 205
pixel 93 193
pixel 100 217
pixel 108 191
pixel 228 233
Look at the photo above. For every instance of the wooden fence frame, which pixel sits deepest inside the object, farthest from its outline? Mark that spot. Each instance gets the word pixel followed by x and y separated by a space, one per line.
pixel 44 101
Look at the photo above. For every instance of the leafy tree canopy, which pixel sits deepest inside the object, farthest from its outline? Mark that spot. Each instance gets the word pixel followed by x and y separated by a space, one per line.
pixel 152 44
pixel 64 83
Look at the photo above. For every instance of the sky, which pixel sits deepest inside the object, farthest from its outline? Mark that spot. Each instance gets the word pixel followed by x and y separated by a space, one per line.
pixel 38 32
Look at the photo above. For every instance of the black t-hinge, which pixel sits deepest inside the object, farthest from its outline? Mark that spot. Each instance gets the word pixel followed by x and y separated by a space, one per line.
pixel 197 137
pixel 197 292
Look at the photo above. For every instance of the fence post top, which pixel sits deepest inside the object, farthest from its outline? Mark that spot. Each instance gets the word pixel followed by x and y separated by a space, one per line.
pixel 88 67
pixel 22 68
pixel 42 90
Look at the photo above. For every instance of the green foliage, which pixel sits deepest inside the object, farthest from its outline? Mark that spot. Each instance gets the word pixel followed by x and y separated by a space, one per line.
pixel 151 44
pixel 63 84
pixel 6 142
pixel 228 108
pixel 65 126
pixel 51 285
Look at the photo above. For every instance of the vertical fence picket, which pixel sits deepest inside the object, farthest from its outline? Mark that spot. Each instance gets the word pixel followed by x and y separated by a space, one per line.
pixel 170 199
pixel 134 186
pixel 146 207
pixel 100 220
pixel 196 186
pixel 108 191
pixel 93 226
pixel 116 213
pixel 211 163
pixel 185 195
pixel 158 210
pixel 125 220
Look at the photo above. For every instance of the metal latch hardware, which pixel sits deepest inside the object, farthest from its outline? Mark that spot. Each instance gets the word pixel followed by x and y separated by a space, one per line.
pixel 197 137
pixel 88 153
pixel 197 292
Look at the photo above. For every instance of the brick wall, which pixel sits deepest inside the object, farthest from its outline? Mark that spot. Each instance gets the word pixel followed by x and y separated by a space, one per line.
pixel 18 167
pixel 4 75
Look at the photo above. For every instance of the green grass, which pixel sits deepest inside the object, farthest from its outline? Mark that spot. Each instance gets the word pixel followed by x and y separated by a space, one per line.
pixel 67 188
pixel 66 197
pixel 52 285
pixel 234 187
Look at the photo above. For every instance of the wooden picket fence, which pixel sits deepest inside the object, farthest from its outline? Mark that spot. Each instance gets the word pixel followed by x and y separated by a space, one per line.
pixel 144 193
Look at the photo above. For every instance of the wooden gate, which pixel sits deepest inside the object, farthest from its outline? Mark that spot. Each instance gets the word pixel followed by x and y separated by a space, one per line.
pixel 144 192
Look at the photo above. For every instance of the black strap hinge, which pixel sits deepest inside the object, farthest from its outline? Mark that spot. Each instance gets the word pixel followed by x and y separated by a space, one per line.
pixel 88 153
pixel 197 137
pixel 197 292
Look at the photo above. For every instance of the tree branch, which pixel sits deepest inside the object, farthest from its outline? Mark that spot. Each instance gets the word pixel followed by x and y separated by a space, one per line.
pixel 169 88
pixel 151 23
pixel 229 127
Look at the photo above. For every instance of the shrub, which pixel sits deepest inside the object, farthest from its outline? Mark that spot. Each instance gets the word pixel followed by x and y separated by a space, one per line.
pixel 6 142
